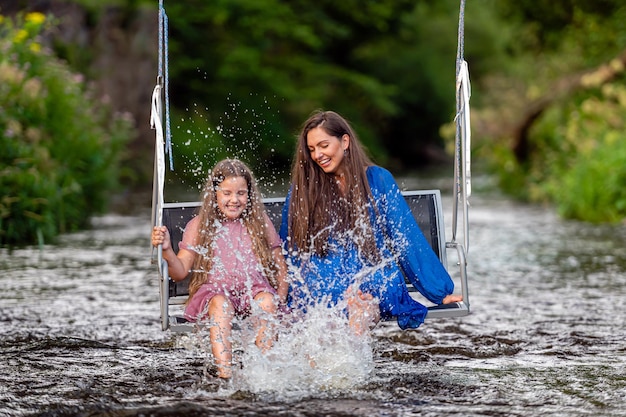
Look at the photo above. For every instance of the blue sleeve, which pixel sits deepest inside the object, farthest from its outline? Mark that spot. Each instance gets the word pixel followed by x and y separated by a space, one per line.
pixel 415 256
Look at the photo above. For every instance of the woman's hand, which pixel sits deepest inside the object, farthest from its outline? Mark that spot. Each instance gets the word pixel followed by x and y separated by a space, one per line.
pixel 363 311
pixel 161 236
pixel 452 298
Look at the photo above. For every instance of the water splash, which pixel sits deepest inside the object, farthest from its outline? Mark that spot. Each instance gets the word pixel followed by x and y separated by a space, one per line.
pixel 315 352
pixel 246 131
pixel 311 352
pixel 318 351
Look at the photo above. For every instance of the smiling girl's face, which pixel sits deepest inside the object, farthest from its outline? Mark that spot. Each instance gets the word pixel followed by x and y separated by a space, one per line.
pixel 232 197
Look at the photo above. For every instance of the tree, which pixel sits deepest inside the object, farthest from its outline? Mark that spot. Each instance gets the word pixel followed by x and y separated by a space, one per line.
pixel 61 148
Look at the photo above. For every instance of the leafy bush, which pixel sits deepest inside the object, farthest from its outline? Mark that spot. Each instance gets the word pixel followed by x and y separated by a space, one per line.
pixel 578 160
pixel 568 63
pixel 588 181
pixel 60 147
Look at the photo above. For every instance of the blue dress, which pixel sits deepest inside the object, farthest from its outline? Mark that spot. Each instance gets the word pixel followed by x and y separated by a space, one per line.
pixel 403 248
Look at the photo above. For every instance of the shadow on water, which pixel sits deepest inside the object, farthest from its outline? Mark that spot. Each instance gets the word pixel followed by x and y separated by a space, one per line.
pixel 80 335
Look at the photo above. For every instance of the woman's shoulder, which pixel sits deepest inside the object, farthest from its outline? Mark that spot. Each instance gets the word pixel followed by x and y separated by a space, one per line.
pixel 379 176
pixel 375 169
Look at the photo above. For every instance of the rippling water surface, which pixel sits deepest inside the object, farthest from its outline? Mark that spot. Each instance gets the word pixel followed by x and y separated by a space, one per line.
pixel 80 334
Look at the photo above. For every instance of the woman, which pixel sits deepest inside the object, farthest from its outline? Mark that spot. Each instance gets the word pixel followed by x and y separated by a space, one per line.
pixel 351 235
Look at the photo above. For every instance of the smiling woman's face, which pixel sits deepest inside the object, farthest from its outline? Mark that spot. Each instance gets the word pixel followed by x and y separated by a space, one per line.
pixel 327 151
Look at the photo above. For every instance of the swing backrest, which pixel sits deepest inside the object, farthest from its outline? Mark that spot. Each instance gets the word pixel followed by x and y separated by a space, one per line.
pixel 425 205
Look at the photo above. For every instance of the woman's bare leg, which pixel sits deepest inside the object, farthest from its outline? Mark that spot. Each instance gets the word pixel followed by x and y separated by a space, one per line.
pixel 265 335
pixel 221 315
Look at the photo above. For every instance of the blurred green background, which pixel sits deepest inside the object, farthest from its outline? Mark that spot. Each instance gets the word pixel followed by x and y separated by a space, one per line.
pixel 76 77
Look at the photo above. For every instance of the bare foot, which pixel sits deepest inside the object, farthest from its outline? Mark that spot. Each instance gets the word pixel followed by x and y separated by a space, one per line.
pixel 452 298
pixel 224 371
pixel 213 370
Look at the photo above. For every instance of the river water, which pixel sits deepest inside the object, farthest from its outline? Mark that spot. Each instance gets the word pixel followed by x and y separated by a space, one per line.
pixel 80 333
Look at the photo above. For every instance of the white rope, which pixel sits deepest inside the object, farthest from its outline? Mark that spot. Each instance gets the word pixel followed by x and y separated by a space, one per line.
pixel 159 146
pixel 162 138
pixel 464 91
pixel 462 150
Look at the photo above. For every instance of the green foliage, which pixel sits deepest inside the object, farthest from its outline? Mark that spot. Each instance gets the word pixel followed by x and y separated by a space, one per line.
pixel 578 159
pixel 60 147
pixel 387 65
pixel 204 138
pixel 584 163
pixel 544 24
pixel 290 54
pixel 577 152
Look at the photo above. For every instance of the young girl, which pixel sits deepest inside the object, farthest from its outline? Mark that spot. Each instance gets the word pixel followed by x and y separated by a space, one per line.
pixel 234 252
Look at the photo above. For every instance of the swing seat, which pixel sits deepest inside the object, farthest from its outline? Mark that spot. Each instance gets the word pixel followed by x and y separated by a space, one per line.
pixel 427 210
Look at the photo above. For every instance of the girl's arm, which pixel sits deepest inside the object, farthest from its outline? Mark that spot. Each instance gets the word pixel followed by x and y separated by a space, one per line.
pixel 275 242
pixel 178 265
pixel 281 276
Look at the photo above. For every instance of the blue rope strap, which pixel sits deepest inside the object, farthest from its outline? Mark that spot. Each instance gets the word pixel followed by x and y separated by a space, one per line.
pixel 163 76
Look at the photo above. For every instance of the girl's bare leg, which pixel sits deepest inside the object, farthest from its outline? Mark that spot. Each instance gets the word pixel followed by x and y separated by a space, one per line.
pixel 265 334
pixel 221 315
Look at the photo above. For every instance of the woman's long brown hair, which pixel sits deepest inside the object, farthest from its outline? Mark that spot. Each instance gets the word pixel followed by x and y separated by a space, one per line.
pixel 317 204
pixel 252 217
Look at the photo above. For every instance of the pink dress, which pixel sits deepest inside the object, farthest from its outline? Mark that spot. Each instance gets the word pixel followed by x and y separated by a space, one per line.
pixel 236 272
